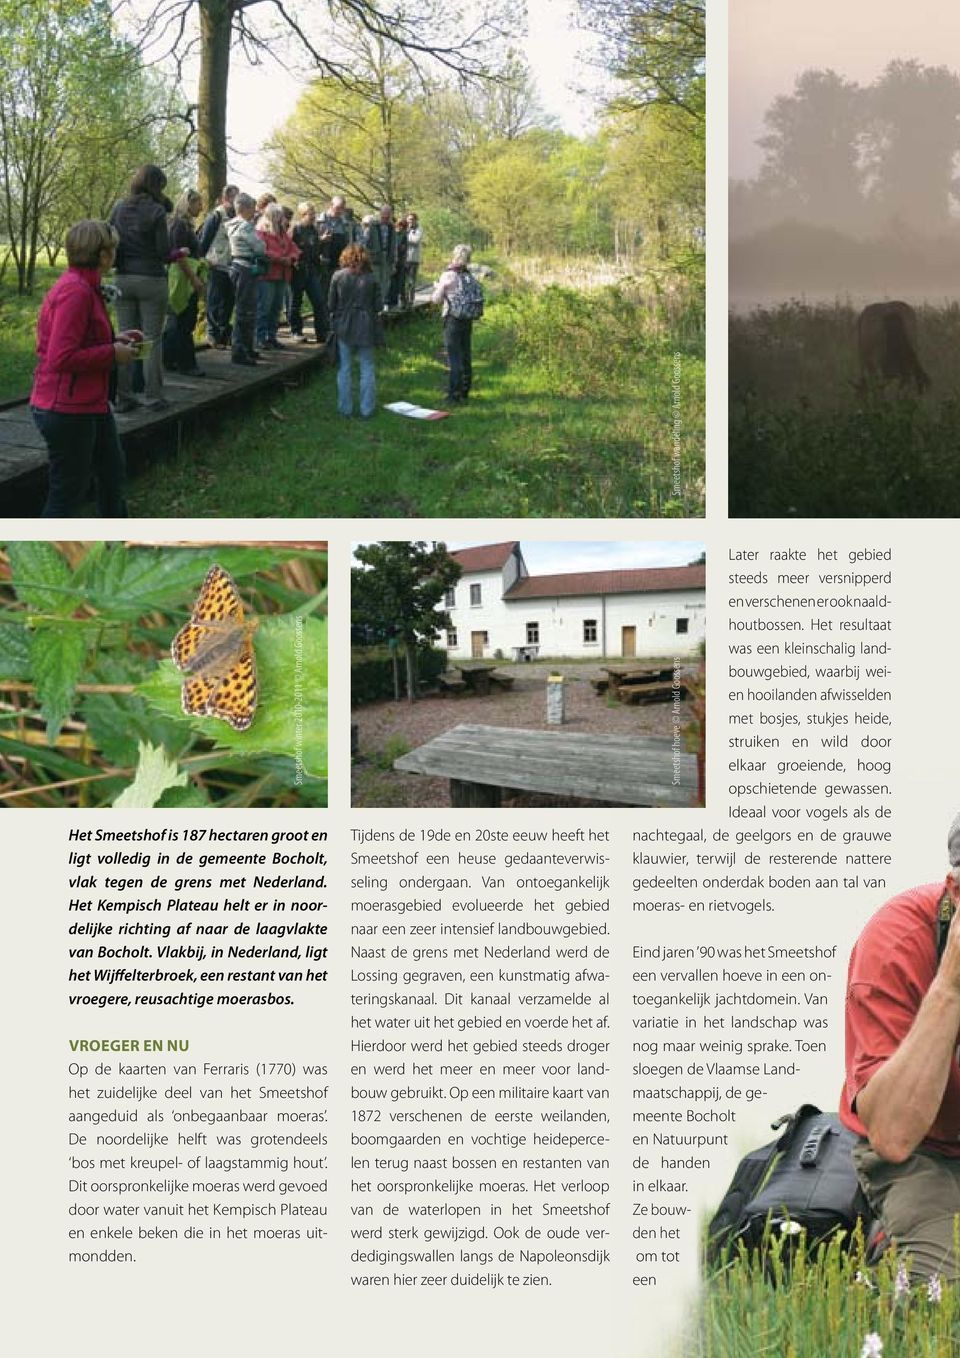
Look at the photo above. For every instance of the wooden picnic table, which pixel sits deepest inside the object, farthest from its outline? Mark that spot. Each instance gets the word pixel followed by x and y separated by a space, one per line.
pixel 480 761
pixel 637 674
pixel 476 674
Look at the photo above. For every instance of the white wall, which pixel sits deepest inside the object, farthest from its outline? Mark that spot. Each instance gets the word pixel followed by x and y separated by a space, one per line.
pixel 561 621
pixel 487 617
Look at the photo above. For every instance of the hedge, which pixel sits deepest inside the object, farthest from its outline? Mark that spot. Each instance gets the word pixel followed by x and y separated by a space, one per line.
pixel 371 671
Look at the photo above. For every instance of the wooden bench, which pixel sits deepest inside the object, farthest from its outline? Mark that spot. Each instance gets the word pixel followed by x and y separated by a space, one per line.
pixel 481 761
pixel 504 681
pixel 451 683
pixel 651 693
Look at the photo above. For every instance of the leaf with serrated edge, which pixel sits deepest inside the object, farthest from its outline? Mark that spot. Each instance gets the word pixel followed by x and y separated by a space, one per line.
pixel 274 730
pixel 156 772
pixel 56 655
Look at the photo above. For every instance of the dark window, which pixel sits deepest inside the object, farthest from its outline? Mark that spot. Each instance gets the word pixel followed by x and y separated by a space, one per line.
pixel 452 640
pixel 683 625
pixel 474 594
pixel 533 634
pixel 589 629
pixel 450 599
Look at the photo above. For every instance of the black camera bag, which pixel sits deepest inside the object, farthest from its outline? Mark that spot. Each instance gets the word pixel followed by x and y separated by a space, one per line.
pixel 805 1179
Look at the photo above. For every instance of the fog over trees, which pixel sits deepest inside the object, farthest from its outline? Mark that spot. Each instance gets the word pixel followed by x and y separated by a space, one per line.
pixel 859 184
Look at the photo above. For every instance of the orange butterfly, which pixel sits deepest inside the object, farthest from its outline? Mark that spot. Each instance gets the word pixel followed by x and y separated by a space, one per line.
pixel 215 649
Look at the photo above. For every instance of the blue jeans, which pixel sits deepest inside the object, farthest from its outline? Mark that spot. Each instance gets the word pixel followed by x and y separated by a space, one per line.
pixel 368 379
pixel 82 448
pixel 269 304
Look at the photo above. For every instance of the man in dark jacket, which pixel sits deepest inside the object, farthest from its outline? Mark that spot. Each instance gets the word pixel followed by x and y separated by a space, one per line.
pixel 380 242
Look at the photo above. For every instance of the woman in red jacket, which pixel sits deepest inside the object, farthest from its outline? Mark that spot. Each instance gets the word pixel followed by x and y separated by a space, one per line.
pixel 282 255
pixel 71 386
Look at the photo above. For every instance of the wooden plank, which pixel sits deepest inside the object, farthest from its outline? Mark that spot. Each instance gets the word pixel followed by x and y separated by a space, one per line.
pixel 635 771
pixel 650 693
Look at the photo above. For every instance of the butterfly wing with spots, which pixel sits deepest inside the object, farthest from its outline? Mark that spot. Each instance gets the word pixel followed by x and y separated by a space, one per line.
pixel 215 649
pixel 234 698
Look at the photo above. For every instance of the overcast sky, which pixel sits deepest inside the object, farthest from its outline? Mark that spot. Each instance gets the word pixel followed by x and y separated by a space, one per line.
pixel 772 41
pixel 262 97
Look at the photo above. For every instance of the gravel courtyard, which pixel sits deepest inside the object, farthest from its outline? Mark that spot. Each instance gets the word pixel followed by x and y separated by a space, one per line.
pixel 387 729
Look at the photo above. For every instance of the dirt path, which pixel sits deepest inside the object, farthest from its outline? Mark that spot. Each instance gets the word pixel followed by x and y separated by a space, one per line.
pixel 388 730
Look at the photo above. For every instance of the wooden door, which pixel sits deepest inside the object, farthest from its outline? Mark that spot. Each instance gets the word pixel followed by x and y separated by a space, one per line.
pixel 628 642
pixel 476 645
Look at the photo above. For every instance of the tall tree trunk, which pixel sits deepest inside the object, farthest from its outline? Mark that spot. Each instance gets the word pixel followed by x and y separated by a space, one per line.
pixel 216 24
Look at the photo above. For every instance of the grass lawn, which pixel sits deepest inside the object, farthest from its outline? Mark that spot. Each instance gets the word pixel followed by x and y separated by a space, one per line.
pixel 576 401
pixel 18 320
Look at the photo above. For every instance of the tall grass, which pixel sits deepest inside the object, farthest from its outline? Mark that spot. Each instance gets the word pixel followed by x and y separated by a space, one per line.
pixel 805 442
pixel 788 1301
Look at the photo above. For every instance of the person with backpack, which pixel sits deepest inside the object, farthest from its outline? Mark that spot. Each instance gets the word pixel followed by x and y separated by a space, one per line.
pixel 902 1089
pixel 215 249
pixel 461 297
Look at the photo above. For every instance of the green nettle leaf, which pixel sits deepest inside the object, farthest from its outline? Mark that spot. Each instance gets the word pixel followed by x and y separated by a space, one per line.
pixel 156 773
pixel 57 655
pixel 128 582
pixel 118 722
pixel 292 710
pixel 15 652
pixel 41 577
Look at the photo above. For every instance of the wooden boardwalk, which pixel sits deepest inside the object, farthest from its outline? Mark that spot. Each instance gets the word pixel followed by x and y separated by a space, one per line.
pixel 23 454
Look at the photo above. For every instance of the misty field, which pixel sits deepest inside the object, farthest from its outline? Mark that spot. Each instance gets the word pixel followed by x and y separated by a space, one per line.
pixel 805 443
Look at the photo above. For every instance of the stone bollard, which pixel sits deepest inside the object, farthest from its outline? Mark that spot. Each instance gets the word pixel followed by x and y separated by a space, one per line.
pixel 555 700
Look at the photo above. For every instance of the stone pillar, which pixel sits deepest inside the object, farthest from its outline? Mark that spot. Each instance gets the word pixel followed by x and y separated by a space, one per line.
pixel 555 700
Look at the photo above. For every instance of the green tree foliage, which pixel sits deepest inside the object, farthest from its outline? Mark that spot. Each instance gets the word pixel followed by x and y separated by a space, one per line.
pixel 369 140
pixel 430 33
pixel 654 127
pixel 395 592
pixel 77 113
pixel 655 186
pixel 531 218
pixel 656 48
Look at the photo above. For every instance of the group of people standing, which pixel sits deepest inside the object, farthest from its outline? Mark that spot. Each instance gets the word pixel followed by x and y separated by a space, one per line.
pixel 253 259
pixel 264 259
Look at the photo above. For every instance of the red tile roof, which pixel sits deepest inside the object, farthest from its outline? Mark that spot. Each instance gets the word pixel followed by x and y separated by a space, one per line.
pixel 609 582
pixel 490 558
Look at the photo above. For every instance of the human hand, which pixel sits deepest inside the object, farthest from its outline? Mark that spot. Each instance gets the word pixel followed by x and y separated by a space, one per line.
pixel 949 972
pixel 124 351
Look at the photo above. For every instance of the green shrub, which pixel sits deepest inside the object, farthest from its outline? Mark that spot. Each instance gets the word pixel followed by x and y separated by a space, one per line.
pixel 372 670
pixel 395 748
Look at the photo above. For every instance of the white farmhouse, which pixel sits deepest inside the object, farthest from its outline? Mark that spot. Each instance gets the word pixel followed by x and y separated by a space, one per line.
pixel 498 609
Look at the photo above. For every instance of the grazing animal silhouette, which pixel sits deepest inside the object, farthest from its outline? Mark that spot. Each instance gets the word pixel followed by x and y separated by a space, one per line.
pixel 887 339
